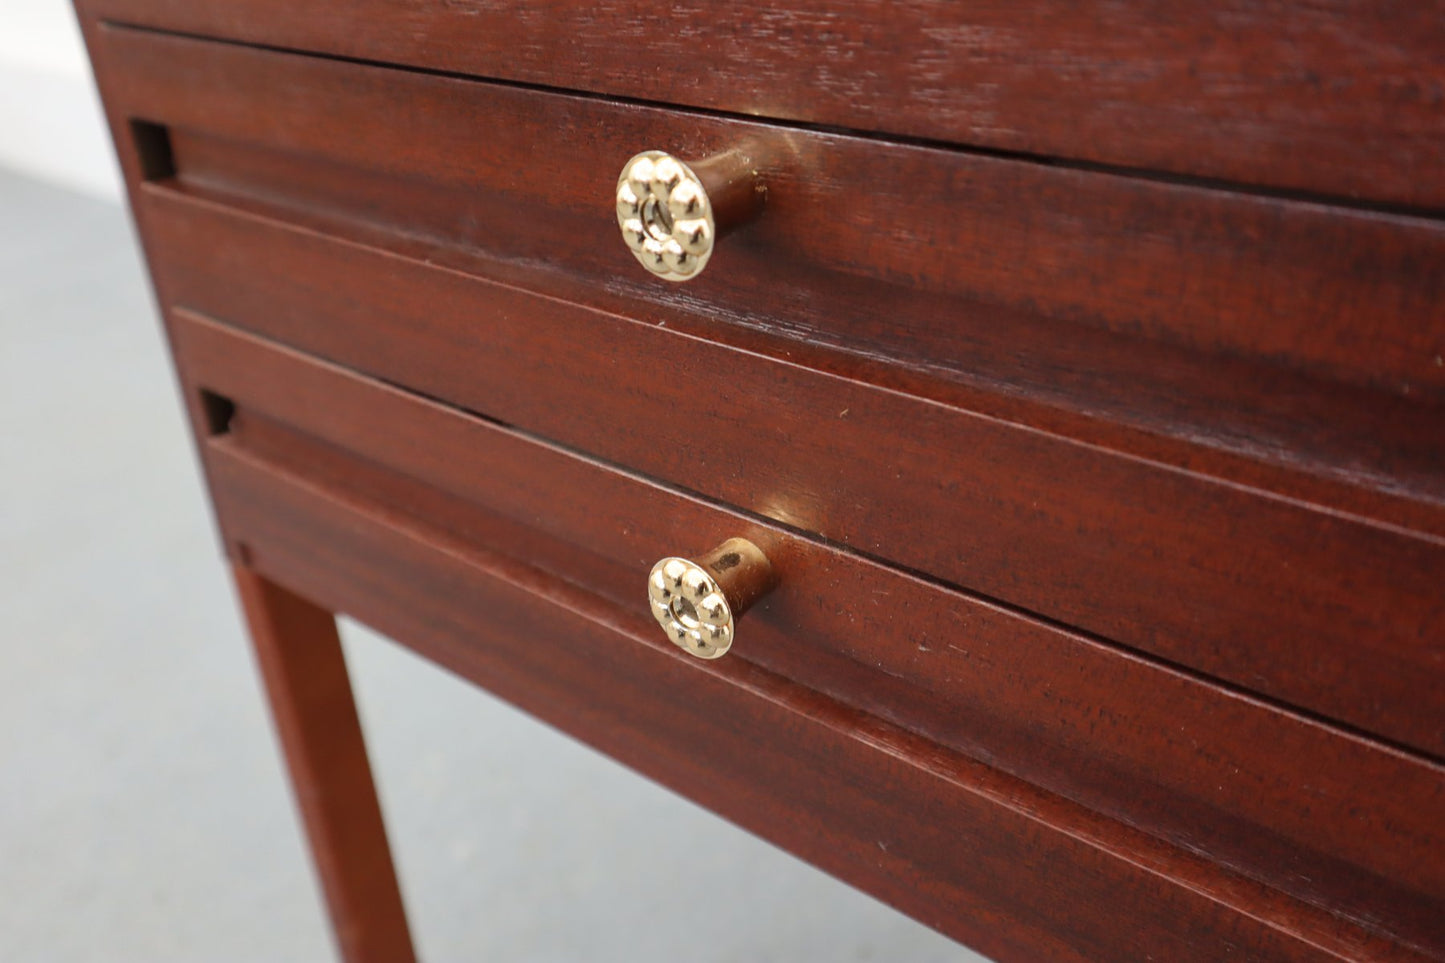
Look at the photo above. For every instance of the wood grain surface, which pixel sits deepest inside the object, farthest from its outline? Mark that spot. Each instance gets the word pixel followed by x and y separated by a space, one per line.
pixel 1161 750
pixel 1356 449
pixel 1083 377
pixel 1017 873
pixel 1341 97
pixel 879 246
pixel 997 338
pixel 1331 613
pixel 1351 449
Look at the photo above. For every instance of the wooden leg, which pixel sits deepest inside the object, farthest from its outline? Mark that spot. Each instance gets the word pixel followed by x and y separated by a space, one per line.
pixel 301 661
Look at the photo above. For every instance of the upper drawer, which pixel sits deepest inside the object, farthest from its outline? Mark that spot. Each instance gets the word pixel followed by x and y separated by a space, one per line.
pixel 1201 315
pixel 1274 530
pixel 1340 98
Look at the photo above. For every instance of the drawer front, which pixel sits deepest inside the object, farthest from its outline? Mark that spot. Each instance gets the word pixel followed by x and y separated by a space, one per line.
pixel 1339 98
pixel 884 248
pixel 1273 795
pixel 1018 874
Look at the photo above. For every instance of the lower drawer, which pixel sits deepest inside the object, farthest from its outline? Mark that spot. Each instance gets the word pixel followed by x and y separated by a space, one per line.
pixel 386 506
pixel 954 843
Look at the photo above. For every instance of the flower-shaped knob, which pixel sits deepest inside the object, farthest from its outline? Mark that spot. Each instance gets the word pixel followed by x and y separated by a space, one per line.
pixel 672 213
pixel 698 603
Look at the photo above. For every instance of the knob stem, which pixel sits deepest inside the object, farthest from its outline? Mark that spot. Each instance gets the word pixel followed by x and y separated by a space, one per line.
pixel 733 187
pixel 741 570
pixel 698 602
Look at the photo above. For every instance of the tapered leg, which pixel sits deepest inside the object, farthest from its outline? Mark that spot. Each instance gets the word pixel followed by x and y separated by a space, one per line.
pixel 300 656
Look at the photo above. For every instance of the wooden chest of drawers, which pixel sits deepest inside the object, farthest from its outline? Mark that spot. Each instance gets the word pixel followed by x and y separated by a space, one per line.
pixel 1079 374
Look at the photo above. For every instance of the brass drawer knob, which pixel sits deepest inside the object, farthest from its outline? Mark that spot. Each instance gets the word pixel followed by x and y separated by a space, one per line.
pixel 672 213
pixel 698 603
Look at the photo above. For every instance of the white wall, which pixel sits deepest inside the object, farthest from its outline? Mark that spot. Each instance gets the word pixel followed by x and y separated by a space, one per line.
pixel 51 126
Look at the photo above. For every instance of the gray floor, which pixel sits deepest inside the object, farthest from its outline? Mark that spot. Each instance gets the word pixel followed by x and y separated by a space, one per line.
pixel 143 813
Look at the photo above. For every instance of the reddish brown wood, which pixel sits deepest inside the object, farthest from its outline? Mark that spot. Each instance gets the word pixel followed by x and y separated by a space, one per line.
pixel 1299 285
pixel 1158 749
pixel 1244 420
pixel 1355 450
pixel 1020 874
pixel 1199 423
pixel 1327 612
pixel 1266 418
pixel 1340 97
pixel 305 672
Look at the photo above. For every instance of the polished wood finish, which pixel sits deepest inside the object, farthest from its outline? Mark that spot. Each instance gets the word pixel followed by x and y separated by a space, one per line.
pixel 1337 98
pixel 1358 450
pixel 1159 749
pixel 1013 871
pixel 302 664
pixel 1168 560
pixel 1081 377
pixel 941 233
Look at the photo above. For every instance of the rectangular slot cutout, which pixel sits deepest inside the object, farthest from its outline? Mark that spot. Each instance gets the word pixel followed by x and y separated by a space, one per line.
pixel 153 148
pixel 218 411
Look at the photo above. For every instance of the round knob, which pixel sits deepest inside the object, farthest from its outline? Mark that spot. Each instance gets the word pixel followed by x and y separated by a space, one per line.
pixel 672 213
pixel 698 603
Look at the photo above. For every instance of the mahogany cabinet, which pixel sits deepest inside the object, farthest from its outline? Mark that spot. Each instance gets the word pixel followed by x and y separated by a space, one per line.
pixel 1073 369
